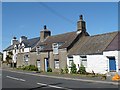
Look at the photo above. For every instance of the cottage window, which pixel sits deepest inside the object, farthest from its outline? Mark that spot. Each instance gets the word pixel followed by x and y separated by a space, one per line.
pixel 70 61
pixel 84 60
pixel 60 44
pixel 55 48
pixel 41 47
pixel 38 50
pixel 23 49
pixel 56 63
pixel 15 50
pixel 26 58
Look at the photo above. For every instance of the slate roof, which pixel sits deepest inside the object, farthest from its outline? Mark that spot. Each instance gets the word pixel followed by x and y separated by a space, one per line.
pixel 115 44
pixel 63 38
pixel 31 42
pixel 66 39
pixel 92 44
pixel 1 53
pixel 11 46
pixel 28 43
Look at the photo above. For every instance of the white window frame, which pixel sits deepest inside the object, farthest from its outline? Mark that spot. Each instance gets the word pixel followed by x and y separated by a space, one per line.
pixel 55 48
pixel 38 50
pixel 56 64
pixel 70 61
pixel 26 58
pixel 84 60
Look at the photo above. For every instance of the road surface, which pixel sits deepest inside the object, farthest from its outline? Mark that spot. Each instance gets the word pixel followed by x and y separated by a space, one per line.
pixel 35 82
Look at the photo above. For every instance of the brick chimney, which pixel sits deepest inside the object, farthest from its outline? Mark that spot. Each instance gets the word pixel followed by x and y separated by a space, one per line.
pixel 44 33
pixel 81 26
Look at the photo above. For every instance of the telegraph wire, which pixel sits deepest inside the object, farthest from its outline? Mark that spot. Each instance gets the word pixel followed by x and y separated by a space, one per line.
pixel 56 13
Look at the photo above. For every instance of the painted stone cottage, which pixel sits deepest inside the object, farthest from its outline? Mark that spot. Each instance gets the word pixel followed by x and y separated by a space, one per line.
pixel 12 50
pixel 98 53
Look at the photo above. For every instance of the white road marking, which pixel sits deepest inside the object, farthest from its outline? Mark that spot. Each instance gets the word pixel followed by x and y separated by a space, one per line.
pixel 16 78
pixel 42 84
pixel 53 86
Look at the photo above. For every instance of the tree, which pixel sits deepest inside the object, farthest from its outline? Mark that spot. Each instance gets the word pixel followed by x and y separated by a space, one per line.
pixel 82 69
pixel 9 57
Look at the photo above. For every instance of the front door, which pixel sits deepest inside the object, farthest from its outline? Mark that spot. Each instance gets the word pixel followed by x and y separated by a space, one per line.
pixel 112 64
pixel 46 64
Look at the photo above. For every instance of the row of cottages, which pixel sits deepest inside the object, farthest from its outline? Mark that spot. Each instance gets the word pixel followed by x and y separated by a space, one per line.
pixel 98 53
pixel 52 51
pixel 23 45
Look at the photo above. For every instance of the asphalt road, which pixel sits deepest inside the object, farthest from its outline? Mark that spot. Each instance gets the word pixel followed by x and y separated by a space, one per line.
pixel 33 82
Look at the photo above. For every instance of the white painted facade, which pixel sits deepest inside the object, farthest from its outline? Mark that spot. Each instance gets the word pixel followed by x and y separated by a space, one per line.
pixel 27 50
pixel 4 55
pixel 14 56
pixel 15 52
pixel 97 63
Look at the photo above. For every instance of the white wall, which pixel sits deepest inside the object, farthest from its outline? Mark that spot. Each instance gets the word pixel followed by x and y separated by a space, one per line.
pixel 96 63
pixel 76 60
pixel 4 55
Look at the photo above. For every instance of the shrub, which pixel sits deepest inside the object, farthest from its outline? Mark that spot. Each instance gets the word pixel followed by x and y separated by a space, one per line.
pixel 32 68
pixel 49 69
pixel 61 71
pixel 66 70
pixel 73 68
pixel 82 69
pixel 29 68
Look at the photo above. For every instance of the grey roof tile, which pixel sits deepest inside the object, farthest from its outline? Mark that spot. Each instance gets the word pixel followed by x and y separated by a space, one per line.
pixel 92 44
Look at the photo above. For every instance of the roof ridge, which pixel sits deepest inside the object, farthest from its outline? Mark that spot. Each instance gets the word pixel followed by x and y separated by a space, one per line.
pixel 63 33
pixel 104 33
pixel 32 38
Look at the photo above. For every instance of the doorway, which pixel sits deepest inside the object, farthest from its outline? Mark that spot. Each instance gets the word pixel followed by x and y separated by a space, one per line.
pixel 112 64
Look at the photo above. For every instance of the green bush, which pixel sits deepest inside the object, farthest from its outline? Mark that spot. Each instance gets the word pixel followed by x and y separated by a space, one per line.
pixel 32 68
pixel 82 69
pixel 29 68
pixel 61 71
pixel 49 69
pixel 66 70
pixel 73 68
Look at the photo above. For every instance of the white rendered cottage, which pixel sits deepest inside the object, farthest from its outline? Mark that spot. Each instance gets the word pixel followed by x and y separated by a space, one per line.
pixel 98 53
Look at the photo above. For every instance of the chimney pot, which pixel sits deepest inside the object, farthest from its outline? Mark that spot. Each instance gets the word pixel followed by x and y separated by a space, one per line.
pixel 45 27
pixel 81 17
